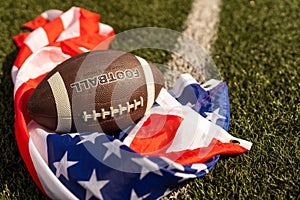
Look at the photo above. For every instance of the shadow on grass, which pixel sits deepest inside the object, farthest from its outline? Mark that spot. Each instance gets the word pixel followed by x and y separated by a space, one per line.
pixel 16 182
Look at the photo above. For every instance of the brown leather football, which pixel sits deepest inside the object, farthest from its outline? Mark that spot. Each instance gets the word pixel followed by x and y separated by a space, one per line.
pixel 102 90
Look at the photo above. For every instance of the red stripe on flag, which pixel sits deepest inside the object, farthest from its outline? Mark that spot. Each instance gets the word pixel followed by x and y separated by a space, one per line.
pixel 201 155
pixel 88 42
pixel 54 29
pixel 158 133
pixel 19 39
pixel 23 54
pixel 153 140
pixel 88 22
pixel 21 132
pixel 36 23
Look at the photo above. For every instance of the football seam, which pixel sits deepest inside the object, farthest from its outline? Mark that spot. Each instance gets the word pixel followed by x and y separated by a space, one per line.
pixel 120 117
pixel 111 113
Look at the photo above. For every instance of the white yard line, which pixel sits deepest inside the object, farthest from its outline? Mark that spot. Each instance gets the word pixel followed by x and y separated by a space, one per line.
pixel 201 26
pixel 202 22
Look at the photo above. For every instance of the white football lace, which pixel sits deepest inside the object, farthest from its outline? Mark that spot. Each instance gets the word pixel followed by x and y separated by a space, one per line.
pixel 113 111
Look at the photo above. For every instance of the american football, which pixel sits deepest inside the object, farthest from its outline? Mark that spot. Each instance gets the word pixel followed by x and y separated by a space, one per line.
pixel 102 90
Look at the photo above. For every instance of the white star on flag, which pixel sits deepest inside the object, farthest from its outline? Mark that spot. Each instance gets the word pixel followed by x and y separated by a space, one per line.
pixel 73 134
pixel 199 167
pixel 189 104
pixel 89 138
pixel 133 194
pixel 214 116
pixel 63 165
pixel 185 175
pixel 93 186
pixel 147 166
pixel 173 165
pixel 112 148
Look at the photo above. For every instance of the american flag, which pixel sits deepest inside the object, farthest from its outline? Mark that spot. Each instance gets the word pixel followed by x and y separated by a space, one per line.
pixel 145 162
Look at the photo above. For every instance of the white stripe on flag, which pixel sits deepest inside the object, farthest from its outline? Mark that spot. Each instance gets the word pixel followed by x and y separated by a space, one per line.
pixel 38 136
pixel 210 84
pixel 63 108
pixel 31 39
pixel 164 99
pixel 14 72
pixel 71 23
pixel 70 16
pixel 149 81
pixel 51 14
pixel 51 184
pixel 105 29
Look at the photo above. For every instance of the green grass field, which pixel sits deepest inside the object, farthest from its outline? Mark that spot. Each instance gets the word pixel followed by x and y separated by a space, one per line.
pixel 257 52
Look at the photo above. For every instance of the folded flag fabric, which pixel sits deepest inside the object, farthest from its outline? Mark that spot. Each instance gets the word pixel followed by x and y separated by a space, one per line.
pixel 180 138
pixel 74 31
pixel 180 133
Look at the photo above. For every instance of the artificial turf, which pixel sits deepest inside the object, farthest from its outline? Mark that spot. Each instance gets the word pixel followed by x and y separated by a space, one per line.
pixel 257 53
pixel 15 181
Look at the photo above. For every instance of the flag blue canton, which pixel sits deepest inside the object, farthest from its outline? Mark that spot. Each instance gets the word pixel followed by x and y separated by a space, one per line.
pixel 97 166
pixel 83 161
pixel 215 106
pixel 212 104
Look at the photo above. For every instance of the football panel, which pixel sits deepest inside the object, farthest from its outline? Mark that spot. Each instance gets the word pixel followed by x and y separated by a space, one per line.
pixel 41 106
